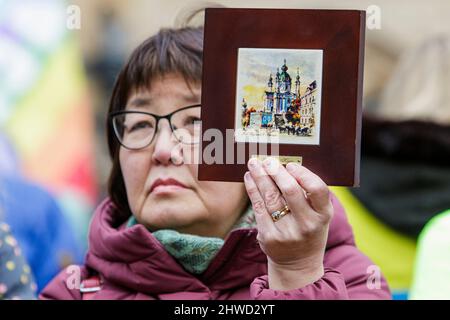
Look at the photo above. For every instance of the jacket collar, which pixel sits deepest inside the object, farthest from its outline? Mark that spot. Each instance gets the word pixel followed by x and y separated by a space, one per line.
pixel 127 256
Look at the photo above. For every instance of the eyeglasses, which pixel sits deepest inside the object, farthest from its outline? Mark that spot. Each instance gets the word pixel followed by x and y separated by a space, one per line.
pixel 136 130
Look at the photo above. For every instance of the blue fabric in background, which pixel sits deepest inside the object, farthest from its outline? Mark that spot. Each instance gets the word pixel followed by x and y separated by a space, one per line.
pixel 43 232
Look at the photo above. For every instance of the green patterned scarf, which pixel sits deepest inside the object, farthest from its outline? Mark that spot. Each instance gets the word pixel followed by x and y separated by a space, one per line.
pixel 193 252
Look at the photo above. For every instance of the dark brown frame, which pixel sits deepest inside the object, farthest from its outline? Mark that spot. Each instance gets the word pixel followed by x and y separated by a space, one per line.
pixel 341 36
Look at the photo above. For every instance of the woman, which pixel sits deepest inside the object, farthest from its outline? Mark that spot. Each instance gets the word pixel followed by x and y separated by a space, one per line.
pixel 162 234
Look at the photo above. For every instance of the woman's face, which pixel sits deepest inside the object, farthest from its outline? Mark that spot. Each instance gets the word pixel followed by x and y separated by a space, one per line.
pixel 182 202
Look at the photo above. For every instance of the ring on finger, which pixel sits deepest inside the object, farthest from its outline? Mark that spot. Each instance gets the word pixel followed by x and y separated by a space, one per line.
pixel 277 215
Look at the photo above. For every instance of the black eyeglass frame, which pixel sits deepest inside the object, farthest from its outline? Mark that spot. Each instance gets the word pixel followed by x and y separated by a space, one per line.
pixel 157 117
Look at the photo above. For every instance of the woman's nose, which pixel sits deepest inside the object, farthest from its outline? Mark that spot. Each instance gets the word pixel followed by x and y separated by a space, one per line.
pixel 166 149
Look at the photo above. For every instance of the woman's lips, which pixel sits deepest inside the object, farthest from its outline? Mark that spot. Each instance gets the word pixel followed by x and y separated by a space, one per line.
pixel 161 186
pixel 162 189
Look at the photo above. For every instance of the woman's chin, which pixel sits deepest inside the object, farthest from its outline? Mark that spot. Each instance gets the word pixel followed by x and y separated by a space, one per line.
pixel 169 214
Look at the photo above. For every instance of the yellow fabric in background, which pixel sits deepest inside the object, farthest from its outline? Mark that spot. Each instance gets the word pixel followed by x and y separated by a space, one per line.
pixel 393 252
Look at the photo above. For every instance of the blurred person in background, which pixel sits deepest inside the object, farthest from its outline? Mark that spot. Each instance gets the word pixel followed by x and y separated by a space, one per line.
pixel 162 234
pixel 16 280
pixel 16 277
pixel 36 220
pixel 405 171
pixel 432 264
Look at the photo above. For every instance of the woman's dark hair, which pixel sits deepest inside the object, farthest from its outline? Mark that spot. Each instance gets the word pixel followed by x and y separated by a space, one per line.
pixel 170 51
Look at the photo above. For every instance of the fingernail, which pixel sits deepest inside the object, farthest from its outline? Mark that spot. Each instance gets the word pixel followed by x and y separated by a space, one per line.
pixel 247 176
pixel 253 163
pixel 268 162
pixel 291 166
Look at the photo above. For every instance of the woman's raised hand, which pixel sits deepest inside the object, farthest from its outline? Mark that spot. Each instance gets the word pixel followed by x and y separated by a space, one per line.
pixel 295 243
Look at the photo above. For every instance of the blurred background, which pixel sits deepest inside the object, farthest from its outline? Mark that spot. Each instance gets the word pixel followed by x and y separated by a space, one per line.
pixel 58 62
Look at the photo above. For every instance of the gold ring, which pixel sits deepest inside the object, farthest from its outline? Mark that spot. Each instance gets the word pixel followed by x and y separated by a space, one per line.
pixel 277 215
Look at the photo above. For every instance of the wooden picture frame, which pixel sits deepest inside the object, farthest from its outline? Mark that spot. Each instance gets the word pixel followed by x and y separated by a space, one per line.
pixel 326 47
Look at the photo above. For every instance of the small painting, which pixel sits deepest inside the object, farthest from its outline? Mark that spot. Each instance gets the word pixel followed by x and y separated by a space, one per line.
pixel 278 96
